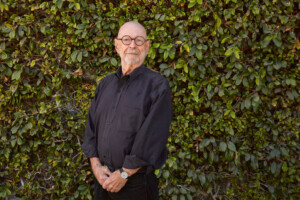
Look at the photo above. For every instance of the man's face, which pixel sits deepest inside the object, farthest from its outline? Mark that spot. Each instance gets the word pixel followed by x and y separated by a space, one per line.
pixel 132 54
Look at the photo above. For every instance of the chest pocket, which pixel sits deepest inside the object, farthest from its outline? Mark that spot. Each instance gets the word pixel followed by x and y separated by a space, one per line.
pixel 129 119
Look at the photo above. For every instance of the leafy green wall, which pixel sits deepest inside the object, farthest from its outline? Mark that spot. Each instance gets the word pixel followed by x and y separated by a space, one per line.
pixel 233 68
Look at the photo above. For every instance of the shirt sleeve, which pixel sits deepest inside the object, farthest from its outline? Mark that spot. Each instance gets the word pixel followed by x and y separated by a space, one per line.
pixel 89 145
pixel 149 148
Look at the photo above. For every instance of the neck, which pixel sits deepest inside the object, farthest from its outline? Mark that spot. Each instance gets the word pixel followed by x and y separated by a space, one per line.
pixel 127 69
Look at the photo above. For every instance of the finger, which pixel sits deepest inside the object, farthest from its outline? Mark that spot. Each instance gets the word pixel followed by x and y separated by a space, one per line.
pixel 114 191
pixel 110 188
pixel 105 184
pixel 102 180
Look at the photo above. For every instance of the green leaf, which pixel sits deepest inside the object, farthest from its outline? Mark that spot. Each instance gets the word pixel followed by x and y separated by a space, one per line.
pixel 3 56
pixel 284 167
pixel 16 75
pixel 245 82
pixel 79 56
pixel 156 45
pixel 227 112
pixel 59 4
pixel 290 95
pixel 257 81
pixel 12 34
pixel 232 114
pixel 22 41
pixel 255 97
pixel 13 142
pixel 229 52
pixel 163 66
pixel 74 55
pixel 218 21
pixel 236 53
pixel 77 5
pixel 273 167
pixel 14 129
pixel 191 3
pixel 255 10
pixel 113 61
pixel 166 174
pixel 166 54
pixel 284 151
pixel 247 103
pixel 82 187
pixel 186 47
pixel 277 42
pixel 202 178
pixel 47 91
pixel 19 141
pixel 2 46
pixel 230 131
pixel 32 63
pixel 80 26
pixel 199 54
pixel 208 88
pixel 223 146
pixel 186 70
pixel 221 92
pixel 204 143
pixel 231 146
pixel 43 108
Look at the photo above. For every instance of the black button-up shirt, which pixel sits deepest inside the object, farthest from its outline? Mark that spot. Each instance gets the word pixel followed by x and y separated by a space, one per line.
pixel 129 119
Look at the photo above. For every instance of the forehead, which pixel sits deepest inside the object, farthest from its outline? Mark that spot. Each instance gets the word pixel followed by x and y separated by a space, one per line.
pixel 133 30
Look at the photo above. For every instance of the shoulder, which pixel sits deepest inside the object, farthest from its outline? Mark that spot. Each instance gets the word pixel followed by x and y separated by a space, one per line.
pixel 104 81
pixel 156 78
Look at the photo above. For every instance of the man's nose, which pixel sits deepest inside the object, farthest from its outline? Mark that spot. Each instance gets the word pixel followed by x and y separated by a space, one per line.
pixel 132 44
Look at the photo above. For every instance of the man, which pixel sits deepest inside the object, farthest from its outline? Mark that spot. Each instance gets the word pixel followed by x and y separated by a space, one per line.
pixel 128 123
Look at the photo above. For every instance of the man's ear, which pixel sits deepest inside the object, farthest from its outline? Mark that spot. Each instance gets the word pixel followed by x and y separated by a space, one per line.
pixel 147 46
pixel 116 45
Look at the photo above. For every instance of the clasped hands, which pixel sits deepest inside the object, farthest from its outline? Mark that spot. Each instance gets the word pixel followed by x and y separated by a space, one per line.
pixel 111 181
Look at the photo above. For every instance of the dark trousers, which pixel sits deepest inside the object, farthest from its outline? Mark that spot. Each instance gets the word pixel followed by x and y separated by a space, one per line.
pixel 138 187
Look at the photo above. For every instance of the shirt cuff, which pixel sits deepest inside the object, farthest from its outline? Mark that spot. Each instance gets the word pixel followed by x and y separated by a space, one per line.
pixel 89 152
pixel 133 162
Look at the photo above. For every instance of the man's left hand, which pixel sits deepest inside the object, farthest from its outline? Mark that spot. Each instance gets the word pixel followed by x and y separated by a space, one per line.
pixel 115 182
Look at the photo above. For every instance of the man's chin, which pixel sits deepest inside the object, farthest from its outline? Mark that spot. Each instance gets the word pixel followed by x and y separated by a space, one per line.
pixel 131 62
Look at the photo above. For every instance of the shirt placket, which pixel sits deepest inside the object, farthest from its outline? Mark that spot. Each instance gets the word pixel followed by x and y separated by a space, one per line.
pixel 110 118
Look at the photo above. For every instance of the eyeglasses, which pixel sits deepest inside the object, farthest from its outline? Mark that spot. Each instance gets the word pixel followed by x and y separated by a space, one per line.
pixel 126 40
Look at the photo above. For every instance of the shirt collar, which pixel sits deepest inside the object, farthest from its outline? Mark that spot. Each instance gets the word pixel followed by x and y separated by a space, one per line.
pixel 133 74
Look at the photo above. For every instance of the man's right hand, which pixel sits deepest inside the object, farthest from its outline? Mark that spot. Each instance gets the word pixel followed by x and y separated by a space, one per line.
pixel 101 172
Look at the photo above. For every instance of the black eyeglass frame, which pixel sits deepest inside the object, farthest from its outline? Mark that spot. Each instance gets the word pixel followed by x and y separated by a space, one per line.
pixel 134 39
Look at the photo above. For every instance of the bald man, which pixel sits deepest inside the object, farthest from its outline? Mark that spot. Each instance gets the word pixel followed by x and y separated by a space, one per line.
pixel 128 123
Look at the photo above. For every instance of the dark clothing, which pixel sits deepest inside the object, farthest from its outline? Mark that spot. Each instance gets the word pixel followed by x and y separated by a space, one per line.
pixel 138 187
pixel 129 119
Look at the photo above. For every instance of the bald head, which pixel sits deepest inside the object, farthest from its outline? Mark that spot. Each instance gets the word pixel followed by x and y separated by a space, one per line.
pixel 132 28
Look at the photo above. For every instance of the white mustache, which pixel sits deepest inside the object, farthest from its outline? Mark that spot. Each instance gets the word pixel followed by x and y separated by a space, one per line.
pixel 132 51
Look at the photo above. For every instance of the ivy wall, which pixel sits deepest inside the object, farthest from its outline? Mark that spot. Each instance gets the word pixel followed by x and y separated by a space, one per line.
pixel 233 67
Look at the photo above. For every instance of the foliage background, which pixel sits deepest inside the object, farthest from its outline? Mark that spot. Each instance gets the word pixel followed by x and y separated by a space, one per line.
pixel 233 68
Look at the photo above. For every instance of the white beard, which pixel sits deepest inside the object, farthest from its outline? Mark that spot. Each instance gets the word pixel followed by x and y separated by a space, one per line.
pixel 135 59
pixel 132 61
